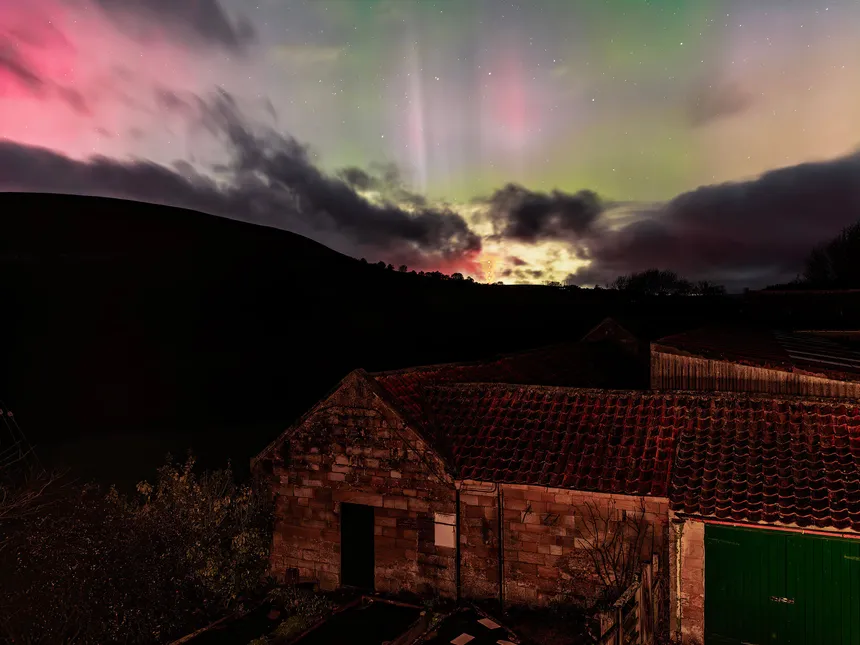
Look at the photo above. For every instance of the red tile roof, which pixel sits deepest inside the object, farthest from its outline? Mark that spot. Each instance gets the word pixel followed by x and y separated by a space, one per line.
pixel 593 440
pixel 773 461
pixel 582 364
pixel 746 458
pixel 784 351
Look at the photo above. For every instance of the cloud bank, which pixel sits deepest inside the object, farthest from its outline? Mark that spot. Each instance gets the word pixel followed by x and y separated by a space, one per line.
pixel 268 179
pixel 749 233
pixel 57 81
pixel 203 21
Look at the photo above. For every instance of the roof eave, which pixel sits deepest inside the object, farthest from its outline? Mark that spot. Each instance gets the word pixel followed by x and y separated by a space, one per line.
pixel 779 526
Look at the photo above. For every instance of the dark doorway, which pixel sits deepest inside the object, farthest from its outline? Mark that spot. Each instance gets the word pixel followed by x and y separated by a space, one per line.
pixel 356 546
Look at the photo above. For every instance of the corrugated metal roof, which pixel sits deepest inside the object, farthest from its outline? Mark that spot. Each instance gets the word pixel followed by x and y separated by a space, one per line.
pixel 778 350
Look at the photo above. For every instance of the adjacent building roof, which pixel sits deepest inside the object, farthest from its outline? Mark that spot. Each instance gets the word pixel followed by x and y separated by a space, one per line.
pixel 603 364
pixel 782 351
pixel 611 329
pixel 774 461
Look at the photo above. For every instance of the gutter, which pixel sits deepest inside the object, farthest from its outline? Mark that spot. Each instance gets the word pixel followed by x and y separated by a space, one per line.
pixel 784 529
pixel 501 549
pixel 678 617
pixel 457 540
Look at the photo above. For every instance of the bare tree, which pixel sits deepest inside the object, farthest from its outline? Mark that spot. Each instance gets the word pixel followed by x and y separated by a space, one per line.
pixel 707 288
pixel 835 263
pixel 26 495
pixel 26 490
pixel 658 282
pixel 610 551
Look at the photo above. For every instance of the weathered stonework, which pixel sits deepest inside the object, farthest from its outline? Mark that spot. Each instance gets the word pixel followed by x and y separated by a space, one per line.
pixel 546 538
pixel 354 448
pixel 687 587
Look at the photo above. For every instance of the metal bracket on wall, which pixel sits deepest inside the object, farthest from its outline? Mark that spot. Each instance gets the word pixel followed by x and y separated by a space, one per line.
pixel 526 513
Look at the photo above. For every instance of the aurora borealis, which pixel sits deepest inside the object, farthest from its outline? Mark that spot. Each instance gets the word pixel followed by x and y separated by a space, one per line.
pixel 543 139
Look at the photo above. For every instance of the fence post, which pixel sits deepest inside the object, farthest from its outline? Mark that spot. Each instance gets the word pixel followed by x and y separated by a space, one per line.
pixel 645 592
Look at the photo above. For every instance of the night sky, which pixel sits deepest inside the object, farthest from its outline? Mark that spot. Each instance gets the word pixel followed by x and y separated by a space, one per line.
pixel 521 142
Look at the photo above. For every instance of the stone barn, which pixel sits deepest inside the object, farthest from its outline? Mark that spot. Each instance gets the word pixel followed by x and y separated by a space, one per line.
pixel 422 480
pixel 415 481
pixel 765 521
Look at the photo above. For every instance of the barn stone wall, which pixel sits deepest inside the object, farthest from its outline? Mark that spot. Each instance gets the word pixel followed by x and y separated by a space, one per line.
pixel 547 535
pixel 687 586
pixel 355 450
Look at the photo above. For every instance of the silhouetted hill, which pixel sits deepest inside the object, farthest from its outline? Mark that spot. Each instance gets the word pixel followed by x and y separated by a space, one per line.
pixel 132 329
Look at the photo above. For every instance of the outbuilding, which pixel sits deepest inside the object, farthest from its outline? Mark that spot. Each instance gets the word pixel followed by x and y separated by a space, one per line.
pixel 416 481
pixel 435 481
pixel 765 521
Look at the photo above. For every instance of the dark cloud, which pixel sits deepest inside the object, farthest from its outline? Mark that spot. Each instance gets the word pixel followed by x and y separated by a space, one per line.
pixel 16 68
pixel 183 104
pixel 527 216
pixel 13 66
pixel 517 262
pixel 74 99
pixel 357 178
pixel 384 179
pixel 748 233
pixel 284 164
pixel 715 101
pixel 202 20
pixel 269 180
pixel 522 276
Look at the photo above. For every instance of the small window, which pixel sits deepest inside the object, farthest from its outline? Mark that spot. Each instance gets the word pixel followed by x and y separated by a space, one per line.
pixel 446 530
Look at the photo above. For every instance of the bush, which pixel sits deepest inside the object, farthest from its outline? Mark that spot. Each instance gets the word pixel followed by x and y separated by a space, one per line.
pixel 302 608
pixel 297 601
pixel 289 629
pixel 104 568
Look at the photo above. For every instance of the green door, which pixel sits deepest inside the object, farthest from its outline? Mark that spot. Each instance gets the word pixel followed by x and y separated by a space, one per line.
pixel 778 588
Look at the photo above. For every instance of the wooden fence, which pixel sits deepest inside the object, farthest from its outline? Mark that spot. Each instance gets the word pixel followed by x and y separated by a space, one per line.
pixel 634 618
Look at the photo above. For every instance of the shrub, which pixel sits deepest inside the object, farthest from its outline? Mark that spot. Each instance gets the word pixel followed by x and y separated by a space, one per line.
pixel 289 629
pixel 102 568
pixel 302 602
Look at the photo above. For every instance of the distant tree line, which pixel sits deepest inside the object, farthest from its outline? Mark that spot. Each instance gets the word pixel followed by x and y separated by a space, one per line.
pixel 836 263
pixel 658 282
pixel 434 275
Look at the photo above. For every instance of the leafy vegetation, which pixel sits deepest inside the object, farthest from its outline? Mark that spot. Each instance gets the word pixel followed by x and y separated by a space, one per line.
pixel 87 566
pixel 301 609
